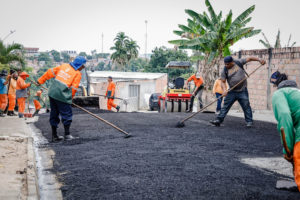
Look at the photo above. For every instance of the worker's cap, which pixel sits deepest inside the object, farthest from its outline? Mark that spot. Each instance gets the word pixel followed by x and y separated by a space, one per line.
pixel 3 72
pixel 78 62
pixel 274 77
pixel 228 59
pixel 110 77
pixel 197 75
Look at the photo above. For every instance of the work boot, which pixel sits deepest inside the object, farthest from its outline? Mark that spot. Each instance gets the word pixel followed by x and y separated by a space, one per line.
pixel 189 110
pixel 118 108
pixel 1 113
pixel 13 113
pixel 55 137
pixel 215 122
pixel 35 113
pixel 68 135
pixel 249 124
pixel 21 115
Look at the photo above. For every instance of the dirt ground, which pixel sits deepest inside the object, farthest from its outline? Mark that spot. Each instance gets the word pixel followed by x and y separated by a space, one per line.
pixel 13 164
pixel 163 162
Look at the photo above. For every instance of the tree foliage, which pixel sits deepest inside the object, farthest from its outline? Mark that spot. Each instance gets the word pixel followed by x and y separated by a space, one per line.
pixel 277 44
pixel 210 36
pixel 11 54
pixel 124 49
pixel 161 56
pixel 56 55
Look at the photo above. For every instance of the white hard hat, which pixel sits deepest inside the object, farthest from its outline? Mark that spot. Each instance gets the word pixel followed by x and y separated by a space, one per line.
pixel 197 75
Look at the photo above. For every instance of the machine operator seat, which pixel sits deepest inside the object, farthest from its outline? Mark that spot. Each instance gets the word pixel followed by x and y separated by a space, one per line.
pixel 179 83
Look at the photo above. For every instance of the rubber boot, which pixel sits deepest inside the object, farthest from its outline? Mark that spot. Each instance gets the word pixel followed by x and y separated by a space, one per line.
pixel 68 135
pixel 118 108
pixel 35 113
pixel 13 113
pixel 9 113
pixel 55 137
pixel 1 113
pixel 296 158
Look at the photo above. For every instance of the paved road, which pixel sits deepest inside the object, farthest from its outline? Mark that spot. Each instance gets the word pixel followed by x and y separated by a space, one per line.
pixel 164 162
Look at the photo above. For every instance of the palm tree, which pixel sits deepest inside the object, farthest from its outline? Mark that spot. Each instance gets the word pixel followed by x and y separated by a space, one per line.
pixel 124 48
pixel 210 37
pixel 11 53
pixel 268 45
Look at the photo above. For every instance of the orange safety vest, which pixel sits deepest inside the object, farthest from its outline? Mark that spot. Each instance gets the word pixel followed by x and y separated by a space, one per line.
pixel 198 82
pixel 110 92
pixel 65 84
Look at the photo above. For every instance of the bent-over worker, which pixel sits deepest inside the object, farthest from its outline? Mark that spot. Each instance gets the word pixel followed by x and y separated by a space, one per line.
pixel 198 81
pixel 66 79
pixel 36 101
pixel 286 107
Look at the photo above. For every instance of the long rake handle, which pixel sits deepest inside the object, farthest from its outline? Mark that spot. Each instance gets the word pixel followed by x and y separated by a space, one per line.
pixel 92 114
pixel 286 148
pixel 246 77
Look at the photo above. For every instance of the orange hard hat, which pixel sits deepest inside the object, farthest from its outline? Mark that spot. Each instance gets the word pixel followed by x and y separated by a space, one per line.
pixel 24 75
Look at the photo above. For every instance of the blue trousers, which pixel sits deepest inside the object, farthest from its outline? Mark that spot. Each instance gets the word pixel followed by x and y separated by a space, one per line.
pixel 219 103
pixel 243 99
pixel 62 109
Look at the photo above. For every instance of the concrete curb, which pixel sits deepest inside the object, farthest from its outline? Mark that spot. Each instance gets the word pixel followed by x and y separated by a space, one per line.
pixel 32 180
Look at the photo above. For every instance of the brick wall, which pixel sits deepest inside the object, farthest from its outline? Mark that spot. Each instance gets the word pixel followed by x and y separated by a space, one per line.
pixel 286 60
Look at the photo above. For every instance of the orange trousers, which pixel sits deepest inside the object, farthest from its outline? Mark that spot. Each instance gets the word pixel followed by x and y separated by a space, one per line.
pixel 37 104
pixel 3 101
pixel 21 104
pixel 296 158
pixel 110 104
pixel 11 102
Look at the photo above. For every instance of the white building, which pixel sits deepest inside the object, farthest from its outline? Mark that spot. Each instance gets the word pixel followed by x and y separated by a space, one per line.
pixel 136 87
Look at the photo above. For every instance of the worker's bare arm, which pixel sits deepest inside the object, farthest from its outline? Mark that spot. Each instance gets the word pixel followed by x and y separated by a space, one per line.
pixel 250 59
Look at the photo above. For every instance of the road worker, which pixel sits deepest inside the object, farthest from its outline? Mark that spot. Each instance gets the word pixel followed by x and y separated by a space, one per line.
pixel 11 94
pixel 66 79
pixel 286 107
pixel 21 92
pixel 234 72
pixel 199 86
pixel 36 101
pixel 110 94
pixel 3 92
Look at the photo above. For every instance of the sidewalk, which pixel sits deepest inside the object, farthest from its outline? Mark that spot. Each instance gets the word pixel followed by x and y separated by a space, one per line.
pixel 261 115
pixel 18 178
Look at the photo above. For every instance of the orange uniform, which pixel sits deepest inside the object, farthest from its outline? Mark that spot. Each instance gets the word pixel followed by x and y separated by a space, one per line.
pixel 36 102
pixel 65 84
pixel 21 92
pixel 12 93
pixel 198 82
pixel 110 92
pixel 217 87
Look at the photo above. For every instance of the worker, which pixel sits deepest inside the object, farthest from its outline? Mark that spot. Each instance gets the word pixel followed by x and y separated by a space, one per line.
pixel 36 101
pixel 21 92
pixel 286 107
pixel 234 72
pixel 110 95
pixel 218 91
pixel 3 92
pixel 61 92
pixel 11 94
pixel 199 86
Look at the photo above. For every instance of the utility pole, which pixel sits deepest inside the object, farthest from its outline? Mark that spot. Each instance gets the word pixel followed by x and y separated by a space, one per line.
pixel 102 43
pixel 11 32
pixel 146 37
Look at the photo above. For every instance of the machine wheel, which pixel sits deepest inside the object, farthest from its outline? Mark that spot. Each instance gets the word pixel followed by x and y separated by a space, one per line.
pixel 170 105
pixel 176 106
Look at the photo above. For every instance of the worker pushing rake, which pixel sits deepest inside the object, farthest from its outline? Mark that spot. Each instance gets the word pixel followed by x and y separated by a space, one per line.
pixel 66 79
pixel 236 76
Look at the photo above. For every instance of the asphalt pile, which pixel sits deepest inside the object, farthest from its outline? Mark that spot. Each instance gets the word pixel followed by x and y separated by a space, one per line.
pixel 163 162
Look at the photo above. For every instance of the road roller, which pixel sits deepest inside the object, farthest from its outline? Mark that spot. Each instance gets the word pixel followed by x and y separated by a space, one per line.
pixel 176 98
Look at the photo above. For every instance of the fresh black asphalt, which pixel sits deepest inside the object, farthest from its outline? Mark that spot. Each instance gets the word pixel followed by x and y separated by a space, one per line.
pixel 161 161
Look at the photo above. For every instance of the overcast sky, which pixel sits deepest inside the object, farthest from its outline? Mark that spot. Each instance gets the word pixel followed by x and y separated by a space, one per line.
pixel 78 24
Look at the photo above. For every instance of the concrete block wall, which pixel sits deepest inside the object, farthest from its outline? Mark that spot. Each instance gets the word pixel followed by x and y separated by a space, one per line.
pixel 286 60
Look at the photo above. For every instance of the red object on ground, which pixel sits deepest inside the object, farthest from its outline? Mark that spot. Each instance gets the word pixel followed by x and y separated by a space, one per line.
pixel 28 115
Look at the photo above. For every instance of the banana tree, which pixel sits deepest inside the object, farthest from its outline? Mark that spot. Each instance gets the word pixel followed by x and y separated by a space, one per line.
pixel 268 45
pixel 210 36
pixel 11 53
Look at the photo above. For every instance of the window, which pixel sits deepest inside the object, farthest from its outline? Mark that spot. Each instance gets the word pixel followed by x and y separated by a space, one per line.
pixel 133 90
